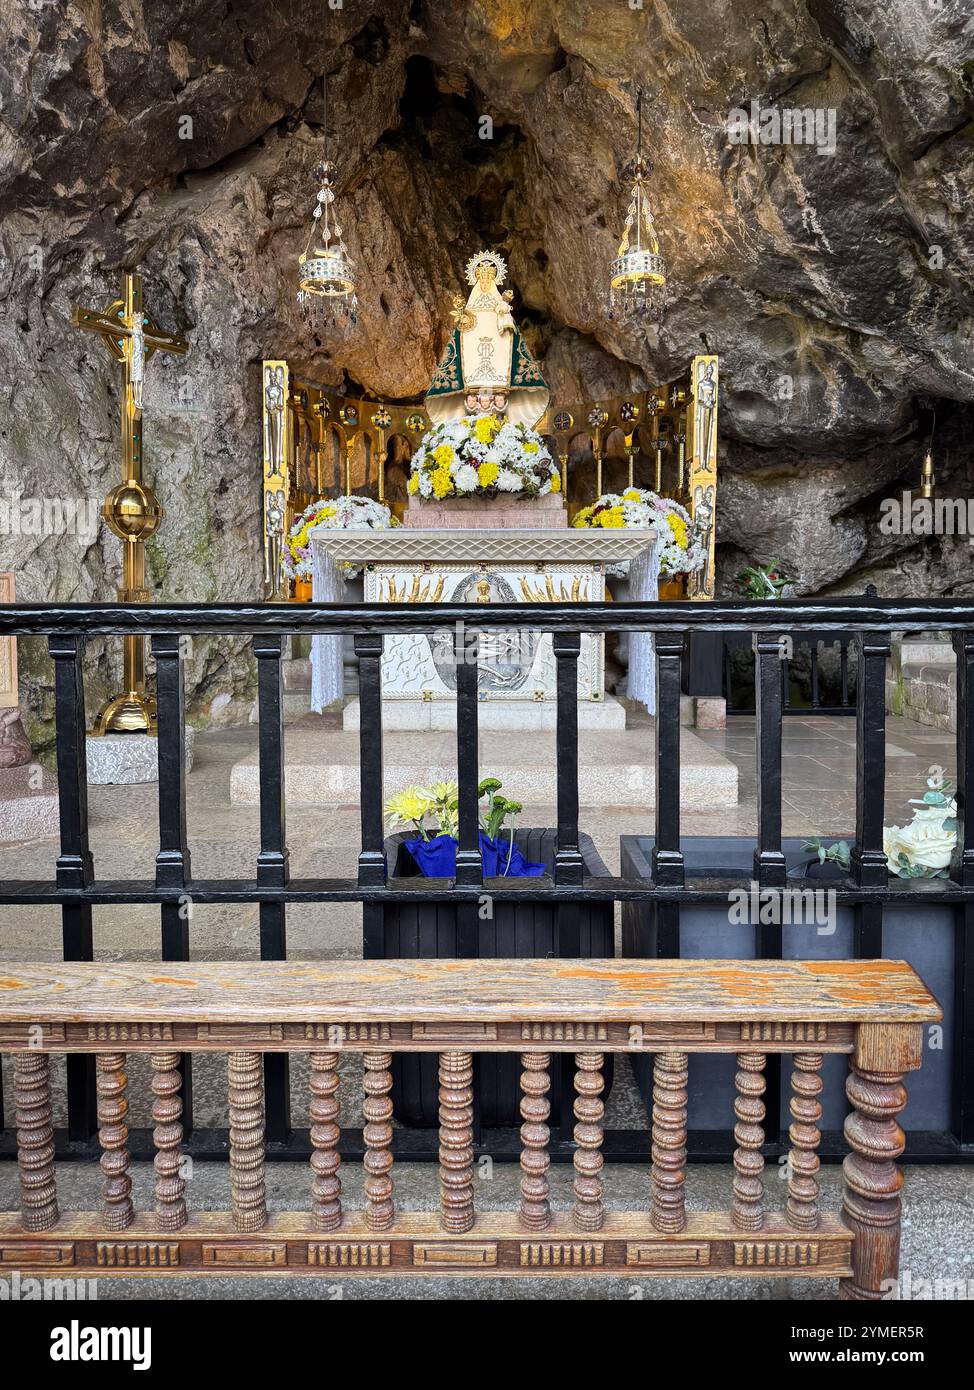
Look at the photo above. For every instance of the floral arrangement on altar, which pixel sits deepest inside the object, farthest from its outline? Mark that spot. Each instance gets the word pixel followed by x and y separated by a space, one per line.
pixel 482 455
pixel 339 514
pixel 436 854
pixel 681 550
pixel 924 848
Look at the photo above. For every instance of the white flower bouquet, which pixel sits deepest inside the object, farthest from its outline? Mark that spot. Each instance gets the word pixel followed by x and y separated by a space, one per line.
pixel 925 847
pixel 482 455
pixel 681 550
pixel 337 514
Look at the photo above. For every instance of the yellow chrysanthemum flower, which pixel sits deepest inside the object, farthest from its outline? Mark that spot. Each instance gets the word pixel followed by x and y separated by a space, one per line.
pixel 408 807
pixel 611 518
pixel 679 528
pixel 487 474
pixel 556 481
pixel 443 455
pixel 413 484
pixel 530 448
pixel 485 429
pixel 442 482
pixel 631 494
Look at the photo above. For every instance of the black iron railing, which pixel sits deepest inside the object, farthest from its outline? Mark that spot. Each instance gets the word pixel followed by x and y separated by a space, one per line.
pixel 830 693
pixel 76 887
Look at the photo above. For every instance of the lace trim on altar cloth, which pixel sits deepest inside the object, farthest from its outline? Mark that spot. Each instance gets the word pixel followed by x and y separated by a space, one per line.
pixel 327 667
pixel 644 587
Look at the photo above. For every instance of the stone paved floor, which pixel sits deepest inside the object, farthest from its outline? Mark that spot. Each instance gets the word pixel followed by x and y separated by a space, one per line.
pixel 819 798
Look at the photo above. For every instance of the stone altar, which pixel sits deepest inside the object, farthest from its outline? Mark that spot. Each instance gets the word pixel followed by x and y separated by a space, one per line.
pixel 517 681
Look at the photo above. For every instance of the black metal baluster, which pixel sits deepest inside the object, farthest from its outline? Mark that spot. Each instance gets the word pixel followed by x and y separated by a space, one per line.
pixel 667 857
pixel 815 698
pixel 869 868
pixel 868 859
pixel 272 861
pixel 372 858
pixel 173 859
pixel 769 861
pixel 962 872
pixel 469 862
pixel 844 669
pixel 568 856
pixel 771 680
pixel 74 863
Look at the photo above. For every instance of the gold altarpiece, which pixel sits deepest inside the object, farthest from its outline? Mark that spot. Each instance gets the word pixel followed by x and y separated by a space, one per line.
pixel 318 443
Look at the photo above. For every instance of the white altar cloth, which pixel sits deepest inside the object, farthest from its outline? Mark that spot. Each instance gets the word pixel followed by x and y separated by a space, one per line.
pixel 500 552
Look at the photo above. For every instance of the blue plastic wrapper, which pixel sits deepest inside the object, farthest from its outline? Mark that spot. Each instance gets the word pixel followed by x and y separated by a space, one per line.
pixel 437 858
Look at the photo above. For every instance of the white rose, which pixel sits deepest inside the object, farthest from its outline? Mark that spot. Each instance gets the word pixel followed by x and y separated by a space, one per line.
pixel 925 842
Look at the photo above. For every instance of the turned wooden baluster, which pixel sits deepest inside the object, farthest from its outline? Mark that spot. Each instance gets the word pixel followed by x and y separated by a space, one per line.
pixel 167 1108
pixel 871 1202
pixel 805 1136
pixel 326 1187
pixel 746 1212
pixel 588 1212
pixel 535 1109
pixel 669 1141
pixel 113 1134
pixel 35 1140
pixel 456 1140
pixel 380 1209
pixel 246 1093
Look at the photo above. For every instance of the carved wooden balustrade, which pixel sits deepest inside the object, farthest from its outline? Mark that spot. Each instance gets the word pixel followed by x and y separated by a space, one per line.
pixel 872 1010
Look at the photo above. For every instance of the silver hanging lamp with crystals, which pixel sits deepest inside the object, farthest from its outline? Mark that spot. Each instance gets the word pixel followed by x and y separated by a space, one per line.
pixel 638 272
pixel 326 274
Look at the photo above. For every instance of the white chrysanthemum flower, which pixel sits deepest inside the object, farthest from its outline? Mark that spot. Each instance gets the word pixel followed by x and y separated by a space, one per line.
pixel 508 481
pixel 466 477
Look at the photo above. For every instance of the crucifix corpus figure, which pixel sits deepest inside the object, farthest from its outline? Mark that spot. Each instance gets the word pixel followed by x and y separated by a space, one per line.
pixel 131 510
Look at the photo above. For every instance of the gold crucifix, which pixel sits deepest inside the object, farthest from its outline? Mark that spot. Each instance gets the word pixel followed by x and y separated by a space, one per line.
pixel 131 510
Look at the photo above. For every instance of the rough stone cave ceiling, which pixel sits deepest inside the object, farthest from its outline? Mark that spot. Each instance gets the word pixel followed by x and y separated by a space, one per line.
pixel 788 263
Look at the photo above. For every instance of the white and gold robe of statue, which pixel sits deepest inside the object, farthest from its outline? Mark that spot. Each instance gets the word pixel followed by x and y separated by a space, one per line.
pixel 486 352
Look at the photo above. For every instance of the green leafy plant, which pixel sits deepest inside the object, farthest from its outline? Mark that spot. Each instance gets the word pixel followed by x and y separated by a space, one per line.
pixel 838 852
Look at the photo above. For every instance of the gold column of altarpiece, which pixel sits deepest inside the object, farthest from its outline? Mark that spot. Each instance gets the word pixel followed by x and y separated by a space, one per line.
pixel 131 510
pixel 318 443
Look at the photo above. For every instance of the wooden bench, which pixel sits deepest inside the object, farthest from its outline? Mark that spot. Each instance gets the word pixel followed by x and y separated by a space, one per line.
pixel 873 1010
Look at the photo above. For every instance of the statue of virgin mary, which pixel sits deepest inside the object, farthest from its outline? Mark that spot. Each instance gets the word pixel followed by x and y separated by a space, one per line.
pixel 486 365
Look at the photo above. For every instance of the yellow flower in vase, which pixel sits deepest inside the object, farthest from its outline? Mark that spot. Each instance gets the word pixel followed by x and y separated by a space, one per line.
pixel 442 482
pixel 485 428
pixel 487 474
pixel 612 518
pixel 413 484
pixel 443 455
pixel 556 481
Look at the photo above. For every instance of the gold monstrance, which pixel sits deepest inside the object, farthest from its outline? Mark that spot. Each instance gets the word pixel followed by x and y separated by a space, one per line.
pixel 132 509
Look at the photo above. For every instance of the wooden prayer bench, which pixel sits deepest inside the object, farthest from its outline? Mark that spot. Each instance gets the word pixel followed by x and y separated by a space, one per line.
pixel 873 1010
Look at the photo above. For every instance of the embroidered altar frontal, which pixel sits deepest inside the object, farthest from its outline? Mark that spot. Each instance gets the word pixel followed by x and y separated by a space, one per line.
pixel 516 668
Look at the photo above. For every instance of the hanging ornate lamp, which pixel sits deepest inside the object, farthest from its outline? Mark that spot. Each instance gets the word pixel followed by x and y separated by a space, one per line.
pixel 638 273
pixel 326 280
